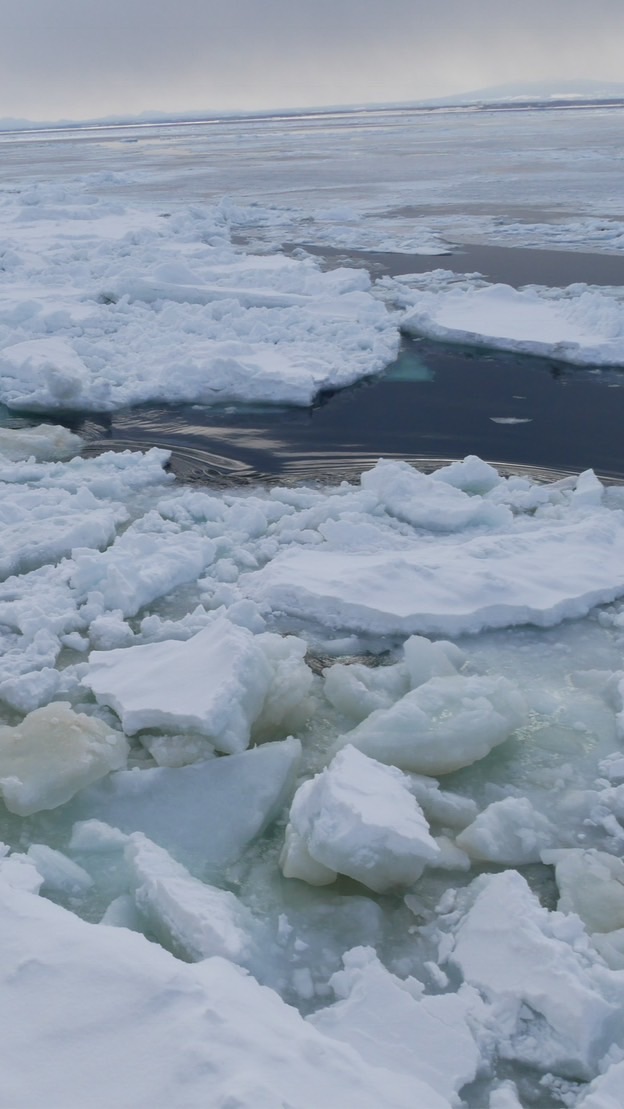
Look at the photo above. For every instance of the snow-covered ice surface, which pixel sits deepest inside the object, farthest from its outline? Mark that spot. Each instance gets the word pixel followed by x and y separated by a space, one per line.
pixel 578 324
pixel 312 795
pixel 320 865
pixel 106 305
pixel 113 294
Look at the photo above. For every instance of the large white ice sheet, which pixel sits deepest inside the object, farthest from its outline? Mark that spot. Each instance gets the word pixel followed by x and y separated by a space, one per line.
pixel 540 576
pixel 578 324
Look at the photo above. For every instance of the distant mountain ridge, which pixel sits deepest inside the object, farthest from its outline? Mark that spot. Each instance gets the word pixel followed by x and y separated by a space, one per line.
pixel 520 92
pixel 581 89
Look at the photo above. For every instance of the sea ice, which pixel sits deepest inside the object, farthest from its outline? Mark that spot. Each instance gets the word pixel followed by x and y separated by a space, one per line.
pixel 357 690
pixel 19 871
pixel 45 443
pixel 580 324
pixel 164 1029
pixel 558 1007
pixel 54 753
pixel 173 312
pixel 144 563
pixel 433 505
pixel 510 832
pixel 384 1017
pixel 216 683
pixel 59 873
pixel 442 725
pixel 505 1096
pixel 591 884
pixel 108 302
pixel 540 573
pixel 605 1092
pixel 178 750
pixel 205 814
pixel 192 919
pixel 358 818
pixel 41 526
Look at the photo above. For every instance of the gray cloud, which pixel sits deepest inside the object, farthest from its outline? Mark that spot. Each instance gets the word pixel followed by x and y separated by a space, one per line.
pixel 82 58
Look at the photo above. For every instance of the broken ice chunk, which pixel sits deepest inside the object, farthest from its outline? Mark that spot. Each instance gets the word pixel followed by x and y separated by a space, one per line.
pixel 194 919
pixel 54 753
pixel 297 862
pixel 441 726
pixel 359 818
pixel 558 1007
pixel 510 831
pixel 147 561
pixel 591 884
pixel 205 814
pixel 178 750
pixel 285 705
pixel 214 683
pixel 59 874
pixel 19 871
pixel 356 689
pixel 422 501
pixel 605 1092
pixel 217 683
pixel 425 660
pixel 44 443
pixel 394 1026
pixel 505 1096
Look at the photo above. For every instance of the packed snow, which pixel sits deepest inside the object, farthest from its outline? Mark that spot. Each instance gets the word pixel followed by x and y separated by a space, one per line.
pixel 311 794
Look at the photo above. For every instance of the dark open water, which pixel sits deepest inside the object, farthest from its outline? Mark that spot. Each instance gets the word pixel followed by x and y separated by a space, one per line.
pixel 437 401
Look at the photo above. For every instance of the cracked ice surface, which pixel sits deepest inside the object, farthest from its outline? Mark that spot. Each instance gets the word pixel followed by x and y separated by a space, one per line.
pixel 107 305
pixel 180 634
pixel 229 718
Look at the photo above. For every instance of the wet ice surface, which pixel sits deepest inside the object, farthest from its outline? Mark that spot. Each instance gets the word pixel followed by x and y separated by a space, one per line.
pixel 322 777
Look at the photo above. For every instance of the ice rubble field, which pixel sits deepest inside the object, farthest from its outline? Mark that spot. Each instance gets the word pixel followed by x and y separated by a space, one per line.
pixel 310 795
pixel 108 304
pixel 361 884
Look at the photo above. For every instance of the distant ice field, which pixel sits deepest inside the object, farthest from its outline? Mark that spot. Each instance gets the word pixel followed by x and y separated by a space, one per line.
pixel 150 273
pixel 311 717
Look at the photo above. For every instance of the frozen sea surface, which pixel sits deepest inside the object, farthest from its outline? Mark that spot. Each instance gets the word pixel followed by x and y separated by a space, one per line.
pixel 312 791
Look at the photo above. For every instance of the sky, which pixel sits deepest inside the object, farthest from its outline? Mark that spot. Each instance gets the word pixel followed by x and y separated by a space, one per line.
pixel 86 59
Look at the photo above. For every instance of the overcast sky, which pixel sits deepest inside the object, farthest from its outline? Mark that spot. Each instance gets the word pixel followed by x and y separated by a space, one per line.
pixel 80 59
